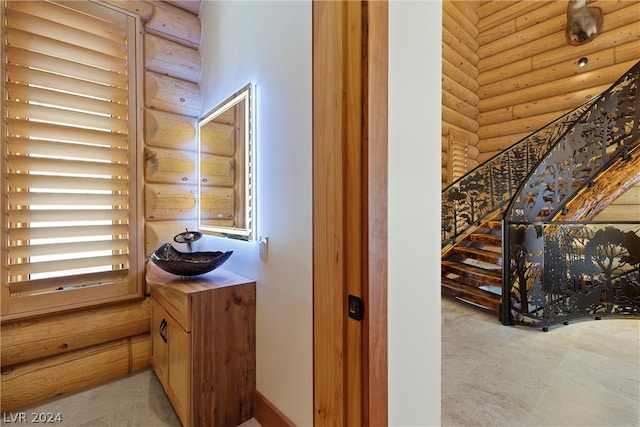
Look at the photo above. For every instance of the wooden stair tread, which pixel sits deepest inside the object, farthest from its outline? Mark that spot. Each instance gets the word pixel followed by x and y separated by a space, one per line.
pixel 477 296
pixel 494 224
pixel 492 239
pixel 479 254
pixel 472 275
pixel 465 280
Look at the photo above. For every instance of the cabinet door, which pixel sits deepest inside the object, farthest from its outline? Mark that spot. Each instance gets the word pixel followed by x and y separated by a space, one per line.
pixel 179 373
pixel 159 342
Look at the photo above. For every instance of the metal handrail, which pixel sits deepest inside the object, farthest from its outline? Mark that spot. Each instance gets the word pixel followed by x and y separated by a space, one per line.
pixel 488 188
pixel 602 135
pixel 592 268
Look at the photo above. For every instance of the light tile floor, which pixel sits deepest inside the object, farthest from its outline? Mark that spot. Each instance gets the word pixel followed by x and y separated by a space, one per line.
pixel 583 374
pixel 134 401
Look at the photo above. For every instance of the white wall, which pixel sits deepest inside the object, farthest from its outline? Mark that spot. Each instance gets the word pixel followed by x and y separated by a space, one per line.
pixel 269 43
pixel 415 34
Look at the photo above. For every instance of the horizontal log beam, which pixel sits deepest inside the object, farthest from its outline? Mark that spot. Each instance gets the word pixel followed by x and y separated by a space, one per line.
pixel 172 95
pixel 528 125
pixel 175 24
pixel 489 8
pixel 192 6
pixel 507 84
pixel 451 116
pixel 217 170
pixel 549 46
pixel 452 42
pixel 449 21
pixel 565 102
pixel 162 129
pixel 590 79
pixel 506 45
pixel 459 105
pixel 495 13
pixel 464 64
pixel 172 167
pixel 166 57
pixel 472 152
pixel 499 143
pixel 26 340
pixel 535 48
pixel 461 14
pixel 217 203
pixel 549 10
pixel 513 69
pixel 218 138
pixel 562 103
pixel 486 155
pixel 454 88
pixel 522 22
pixel 170 201
pixel 629 33
pixel 43 379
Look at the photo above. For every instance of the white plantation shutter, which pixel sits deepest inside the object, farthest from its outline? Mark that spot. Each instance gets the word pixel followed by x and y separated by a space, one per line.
pixel 457 165
pixel 68 154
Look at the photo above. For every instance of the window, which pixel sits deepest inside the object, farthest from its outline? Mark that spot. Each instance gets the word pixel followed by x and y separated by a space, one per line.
pixel 69 156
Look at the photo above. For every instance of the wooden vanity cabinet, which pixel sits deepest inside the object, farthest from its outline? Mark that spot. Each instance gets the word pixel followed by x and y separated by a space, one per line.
pixel 203 345
pixel 171 359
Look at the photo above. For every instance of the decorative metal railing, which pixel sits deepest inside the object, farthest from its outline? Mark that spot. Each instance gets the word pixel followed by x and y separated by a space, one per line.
pixel 556 271
pixel 487 189
pixel 565 271
pixel 601 135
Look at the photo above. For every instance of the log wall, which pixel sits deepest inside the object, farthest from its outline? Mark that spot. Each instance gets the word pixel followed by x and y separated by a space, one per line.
pixel 48 356
pixel 526 72
pixel 459 89
pixel 172 106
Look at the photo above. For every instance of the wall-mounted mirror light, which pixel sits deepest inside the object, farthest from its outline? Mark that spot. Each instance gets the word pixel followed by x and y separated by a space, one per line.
pixel 226 205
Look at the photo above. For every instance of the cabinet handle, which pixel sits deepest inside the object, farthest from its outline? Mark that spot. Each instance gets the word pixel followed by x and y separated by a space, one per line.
pixel 163 328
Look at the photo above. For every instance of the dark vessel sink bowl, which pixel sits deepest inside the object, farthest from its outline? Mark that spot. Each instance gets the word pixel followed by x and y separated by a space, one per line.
pixel 187 264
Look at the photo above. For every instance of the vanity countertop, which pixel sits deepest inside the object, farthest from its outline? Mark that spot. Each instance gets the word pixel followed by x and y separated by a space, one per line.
pixel 203 335
pixel 218 278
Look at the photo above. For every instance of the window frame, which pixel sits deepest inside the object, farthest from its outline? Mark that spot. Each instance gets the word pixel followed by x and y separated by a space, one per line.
pixel 20 306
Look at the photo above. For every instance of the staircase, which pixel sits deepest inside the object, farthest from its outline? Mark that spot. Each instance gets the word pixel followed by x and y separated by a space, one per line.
pixel 472 269
pixel 541 192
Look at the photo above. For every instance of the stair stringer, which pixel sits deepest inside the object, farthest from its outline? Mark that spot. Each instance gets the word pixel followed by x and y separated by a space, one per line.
pixel 606 188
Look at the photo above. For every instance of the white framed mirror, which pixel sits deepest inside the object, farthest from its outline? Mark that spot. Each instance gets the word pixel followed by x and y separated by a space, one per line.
pixel 226 205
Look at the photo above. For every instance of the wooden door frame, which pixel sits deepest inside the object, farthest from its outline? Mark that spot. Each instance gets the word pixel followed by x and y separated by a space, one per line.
pixel 350 57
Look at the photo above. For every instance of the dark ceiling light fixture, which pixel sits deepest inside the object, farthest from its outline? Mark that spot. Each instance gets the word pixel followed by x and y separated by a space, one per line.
pixel 583 61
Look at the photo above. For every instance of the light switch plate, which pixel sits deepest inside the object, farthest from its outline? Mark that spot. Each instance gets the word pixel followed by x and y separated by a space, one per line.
pixel 264 248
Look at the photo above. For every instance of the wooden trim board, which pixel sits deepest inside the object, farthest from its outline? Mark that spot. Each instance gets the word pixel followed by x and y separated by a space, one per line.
pixel 267 414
